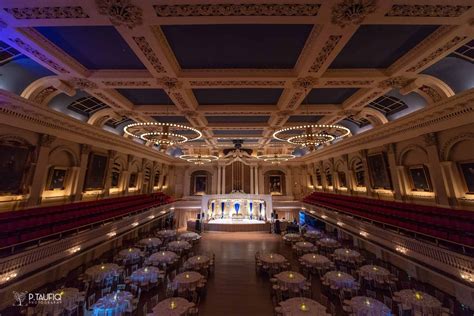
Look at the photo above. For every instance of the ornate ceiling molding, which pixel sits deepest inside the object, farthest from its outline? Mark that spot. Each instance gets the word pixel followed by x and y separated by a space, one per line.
pixel 427 10
pixel 121 12
pixel 431 93
pixel 395 82
pixel 212 83
pixel 247 9
pixel 352 12
pixel 126 83
pixel 305 83
pixel 169 83
pixel 150 55
pixel 349 83
pixel 28 13
pixel 323 55
pixel 83 84
pixel 44 94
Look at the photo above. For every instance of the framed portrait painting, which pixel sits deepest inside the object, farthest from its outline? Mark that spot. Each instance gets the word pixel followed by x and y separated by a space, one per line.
pixel 275 184
pixel 96 172
pixel 13 165
pixel 467 172
pixel 57 179
pixel 200 184
pixel 378 171
pixel 420 178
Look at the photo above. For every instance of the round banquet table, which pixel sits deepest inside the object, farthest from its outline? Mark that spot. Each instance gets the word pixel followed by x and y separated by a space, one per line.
pixel 151 242
pixel 167 233
pixel 346 254
pixel 420 300
pixel 69 297
pixel 328 242
pixel 304 245
pixel 198 261
pixel 315 260
pixel 113 304
pixel 313 234
pixel 102 271
pixel 188 279
pixel 302 306
pixel 162 257
pixel 145 275
pixel 374 272
pixel 130 253
pixel 272 258
pixel 292 237
pixel 339 279
pixel 367 306
pixel 174 306
pixel 189 236
pixel 179 245
pixel 290 279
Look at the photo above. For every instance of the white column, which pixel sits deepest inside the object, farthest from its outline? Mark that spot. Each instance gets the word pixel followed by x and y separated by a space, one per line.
pixel 219 177
pixel 223 180
pixel 251 180
pixel 256 182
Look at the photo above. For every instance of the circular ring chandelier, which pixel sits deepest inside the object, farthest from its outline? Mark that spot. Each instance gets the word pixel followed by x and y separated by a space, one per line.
pixel 311 135
pixel 162 134
pixel 199 159
pixel 276 158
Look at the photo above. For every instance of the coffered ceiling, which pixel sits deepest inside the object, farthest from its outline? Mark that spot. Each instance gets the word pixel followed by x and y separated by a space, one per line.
pixel 241 70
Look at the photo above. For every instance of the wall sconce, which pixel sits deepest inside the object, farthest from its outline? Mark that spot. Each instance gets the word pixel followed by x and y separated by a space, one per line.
pixel 151 216
pixel 467 276
pixel 363 233
pixel 340 223
pixel 134 224
pixel 324 216
pixel 111 234
pixel 4 278
pixel 401 249
pixel 74 249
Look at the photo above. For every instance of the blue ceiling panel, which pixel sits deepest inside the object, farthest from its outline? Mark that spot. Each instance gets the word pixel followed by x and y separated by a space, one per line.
pixel 95 47
pixel 455 71
pixel 237 119
pixel 379 46
pixel 237 45
pixel 328 95
pixel 237 96
pixel 146 96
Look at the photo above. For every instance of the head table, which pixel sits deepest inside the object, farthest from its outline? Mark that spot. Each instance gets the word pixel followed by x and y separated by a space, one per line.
pixel 315 260
pixel 179 245
pixel 113 304
pixel 145 275
pixel 162 257
pixel 102 271
pixel 151 242
pixel 188 279
pixel 291 279
pixel 367 306
pixel 301 306
pixel 339 279
pixel 189 236
pixel 419 300
pixel 174 306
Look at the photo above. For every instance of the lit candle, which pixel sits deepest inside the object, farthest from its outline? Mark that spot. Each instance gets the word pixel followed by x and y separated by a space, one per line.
pixel 103 267
pixel 146 269
pixel 367 302
pixel 163 253
pixel 418 296
pixel 347 251
pixel 172 305
pixel 199 258
pixel 291 275
pixel 339 274
pixel 375 268
pixel 314 256
pixel 303 307
pixel 129 249
pixel 187 276
pixel 271 256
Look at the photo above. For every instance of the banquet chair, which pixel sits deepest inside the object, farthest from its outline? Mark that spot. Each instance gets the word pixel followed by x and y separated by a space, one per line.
pixel 105 291
pixel 388 301
pixel 121 287
pixel 72 310
pixel 332 309
pixel 371 294
pixel 193 311
pixel 91 300
pixel 324 300
pixel 278 311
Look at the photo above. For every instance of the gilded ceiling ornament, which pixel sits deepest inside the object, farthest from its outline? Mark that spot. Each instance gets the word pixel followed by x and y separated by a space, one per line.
pixel 46 140
pixel 427 10
pixel 294 100
pixel 121 12
pixel 352 11
pixel 83 84
pixel 122 83
pixel 347 113
pixel 247 9
pixel 430 139
pixel 29 49
pixel 169 83
pixel 431 93
pixel 325 52
pixel 44 94
pixel 68 12
pixel 211 83
pixel 305 83
pixel 149 53
pixel 348 82
pixel 394 83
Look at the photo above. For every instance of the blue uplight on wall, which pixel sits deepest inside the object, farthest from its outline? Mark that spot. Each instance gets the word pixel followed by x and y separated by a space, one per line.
pixel 237 208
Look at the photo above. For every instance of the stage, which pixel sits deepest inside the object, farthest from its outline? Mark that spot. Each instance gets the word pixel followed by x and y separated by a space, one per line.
pixel 229 225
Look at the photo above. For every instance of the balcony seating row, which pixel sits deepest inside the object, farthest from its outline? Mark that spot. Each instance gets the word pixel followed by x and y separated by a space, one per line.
pixel 441 223
pixel 40 222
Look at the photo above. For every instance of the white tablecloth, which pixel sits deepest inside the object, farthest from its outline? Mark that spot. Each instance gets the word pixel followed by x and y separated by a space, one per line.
pixel 179 245
pixel 290 279
pixel 102 271
pixel 112 304
pixel 272 258
pixel 374 272
pixel 315 260
pixel 328 242
pixel 144 275
pixel 292 237
pixel 166 308
pixel 339 279
pixel 150 242
pixel 130 253
pixel 198 261
pixel 188 279
pixel 313 234
pixel 420 300
pixel 301 306
pixel 346 254
pixel 366 306
pixel 304 245
pixel 162 257
pixel 167 233
pixel 189 236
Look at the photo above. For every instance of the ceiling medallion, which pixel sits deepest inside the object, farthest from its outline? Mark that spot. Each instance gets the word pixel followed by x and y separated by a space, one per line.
pixel 198 159
pixel 276 158
pixel 311 135
pixel 162 134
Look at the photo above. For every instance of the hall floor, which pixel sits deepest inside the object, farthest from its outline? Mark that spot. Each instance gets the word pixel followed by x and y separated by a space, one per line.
pixel 235 288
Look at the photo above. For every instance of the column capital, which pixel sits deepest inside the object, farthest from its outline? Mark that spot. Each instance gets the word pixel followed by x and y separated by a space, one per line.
pixel 430 139
pixel 85 149
pixel 46 140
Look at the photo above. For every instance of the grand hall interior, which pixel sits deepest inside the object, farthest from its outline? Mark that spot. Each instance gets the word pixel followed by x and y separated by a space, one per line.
pixel 236 158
